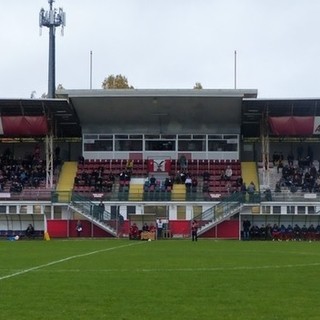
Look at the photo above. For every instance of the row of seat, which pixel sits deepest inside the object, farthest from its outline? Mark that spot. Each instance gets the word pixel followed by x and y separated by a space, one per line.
pixel 193 166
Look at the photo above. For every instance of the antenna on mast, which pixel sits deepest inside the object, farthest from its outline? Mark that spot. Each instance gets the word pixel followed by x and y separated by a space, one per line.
pixel 52 19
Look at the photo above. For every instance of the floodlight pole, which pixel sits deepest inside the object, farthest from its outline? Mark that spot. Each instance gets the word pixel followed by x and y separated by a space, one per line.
pixel 235 69
pixel 52 19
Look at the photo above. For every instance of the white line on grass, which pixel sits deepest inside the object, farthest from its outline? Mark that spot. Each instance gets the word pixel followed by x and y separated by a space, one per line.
pixel 65 259
pixel 232 268
pixel 192 269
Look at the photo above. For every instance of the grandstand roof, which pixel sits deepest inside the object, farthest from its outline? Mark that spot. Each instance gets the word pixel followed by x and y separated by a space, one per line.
pixel 61 115
pixel 253 109
pixel 165 110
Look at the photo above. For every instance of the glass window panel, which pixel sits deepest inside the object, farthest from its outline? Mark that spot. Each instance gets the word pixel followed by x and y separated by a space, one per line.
pixel 90 136
pixel 106 136
pixel 230 136
pixel 191 145
pixel 152 136
pixel 221 145
pixel 158 145
pixel 199 136
pixel 128 145
pixel 99 145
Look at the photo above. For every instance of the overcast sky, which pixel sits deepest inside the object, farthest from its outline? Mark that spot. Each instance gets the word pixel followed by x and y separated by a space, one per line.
pixel 166 44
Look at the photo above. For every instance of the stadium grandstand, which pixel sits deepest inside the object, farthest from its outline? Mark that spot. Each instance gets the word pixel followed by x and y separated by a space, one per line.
pixel 113 159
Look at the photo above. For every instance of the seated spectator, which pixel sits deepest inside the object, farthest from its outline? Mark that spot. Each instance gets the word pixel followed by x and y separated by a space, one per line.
pixel 283 232
pixel 289 233
pixel 206 176
pixel 239 182
pixel 268 194
pixel 262 232
pixel 134 232
pixel 168 184
pixel 251 189
pixel 317 231
pixel 275 158
pixel 124 176
pixel 194 184
pixel 107 186
pixel 152 228
pixel 268 232
pixel 317 185
pixel 178 178
pixel 188 183
pixel 297 232
pixel 81 160
pixel 254 232
pixel 311 233
pixel 304 232
pixel 228 173
pixel 313 172
pixel 16 187
pixel 146 186
pixel 30 231
pixel 145 227
pixel 129 166
pixel 276 232
pixel 183 176
pixel 183 162
pixel 278 187
pixel 205 187
pixel 280 165
pixel 112 178
pixel 297 180
pixel 152 180
pixel 290 159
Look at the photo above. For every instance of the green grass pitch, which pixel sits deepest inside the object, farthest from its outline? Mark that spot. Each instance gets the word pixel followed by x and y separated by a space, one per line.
pixel 168 279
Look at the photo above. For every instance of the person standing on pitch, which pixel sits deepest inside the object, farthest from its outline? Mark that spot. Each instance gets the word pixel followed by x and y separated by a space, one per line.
pixel 159 228
pixel 194 230
pixel 79 228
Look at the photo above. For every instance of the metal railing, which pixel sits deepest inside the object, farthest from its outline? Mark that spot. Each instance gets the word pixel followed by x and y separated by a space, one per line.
pixel 42 194
pixel 95 213
pixel 125 196
pixel 219 212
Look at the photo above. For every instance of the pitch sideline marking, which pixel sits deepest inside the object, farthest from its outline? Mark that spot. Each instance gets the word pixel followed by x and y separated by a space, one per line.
pixel 195 269
pixel 65 259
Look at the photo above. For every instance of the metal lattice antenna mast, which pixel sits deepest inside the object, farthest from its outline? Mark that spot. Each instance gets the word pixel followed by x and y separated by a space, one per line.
pixel 52 19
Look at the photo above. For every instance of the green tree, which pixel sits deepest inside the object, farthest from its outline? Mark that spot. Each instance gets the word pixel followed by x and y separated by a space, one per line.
pixel 198 85
pixel 116 82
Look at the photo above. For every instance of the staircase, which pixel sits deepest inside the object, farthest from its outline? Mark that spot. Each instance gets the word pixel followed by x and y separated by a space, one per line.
pixel 92 212
pixel 178 192
pixel 249 173
pixel 218 213
pixel 136 189
pixel 66 180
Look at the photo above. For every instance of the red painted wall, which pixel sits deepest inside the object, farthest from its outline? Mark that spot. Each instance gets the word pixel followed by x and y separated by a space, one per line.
pixel 62 228
pixel 59 229
pixel 179 227
pixel 226 229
